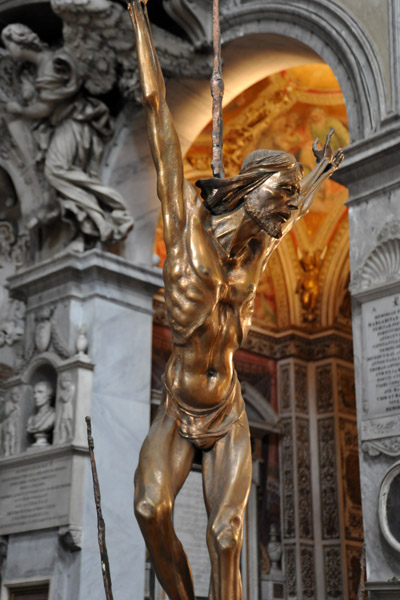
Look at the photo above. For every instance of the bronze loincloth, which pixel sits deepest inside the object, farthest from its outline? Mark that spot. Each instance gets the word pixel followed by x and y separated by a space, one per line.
pixel 203 427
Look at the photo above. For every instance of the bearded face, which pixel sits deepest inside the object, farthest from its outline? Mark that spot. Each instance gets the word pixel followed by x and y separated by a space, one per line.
pixel 270 205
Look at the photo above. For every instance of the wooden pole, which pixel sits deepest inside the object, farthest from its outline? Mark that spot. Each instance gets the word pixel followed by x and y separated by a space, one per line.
pixel 217 92
pixel 101 527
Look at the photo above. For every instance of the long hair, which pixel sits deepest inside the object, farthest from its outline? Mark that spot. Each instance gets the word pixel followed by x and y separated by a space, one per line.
pixel 225 195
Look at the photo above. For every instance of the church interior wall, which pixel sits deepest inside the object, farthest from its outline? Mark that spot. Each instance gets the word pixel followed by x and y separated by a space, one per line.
pixel 110 292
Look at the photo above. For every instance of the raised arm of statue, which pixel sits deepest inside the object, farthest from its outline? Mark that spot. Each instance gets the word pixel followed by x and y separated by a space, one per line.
pixel 164 142
pixel 327 163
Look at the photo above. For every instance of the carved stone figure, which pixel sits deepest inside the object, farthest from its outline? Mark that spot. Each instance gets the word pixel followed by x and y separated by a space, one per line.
pixel 41 424
pixel 308 286
pixel 11 424
pixel 71 130
pixel 63 425
pixel 216 253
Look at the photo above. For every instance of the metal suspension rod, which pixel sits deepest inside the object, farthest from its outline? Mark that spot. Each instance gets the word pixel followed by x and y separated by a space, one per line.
pixel 217 92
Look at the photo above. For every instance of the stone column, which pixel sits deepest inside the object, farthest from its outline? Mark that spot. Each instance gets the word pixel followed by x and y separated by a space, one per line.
pixel 110 299
pixel 316 400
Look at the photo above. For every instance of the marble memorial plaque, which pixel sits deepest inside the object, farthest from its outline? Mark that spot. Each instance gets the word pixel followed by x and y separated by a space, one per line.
pixel 381 332
pixel 190 521
pixel 35 495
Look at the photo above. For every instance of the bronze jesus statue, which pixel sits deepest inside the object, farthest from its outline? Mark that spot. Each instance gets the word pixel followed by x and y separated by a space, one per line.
pixel 217 249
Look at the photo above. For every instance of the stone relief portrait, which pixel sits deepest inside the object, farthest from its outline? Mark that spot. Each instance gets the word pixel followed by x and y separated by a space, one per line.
pixel 63 431
pixel 41 424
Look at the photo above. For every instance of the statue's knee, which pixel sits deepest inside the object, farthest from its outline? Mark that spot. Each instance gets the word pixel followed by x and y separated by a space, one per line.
pixel 149 512
pixel 226 536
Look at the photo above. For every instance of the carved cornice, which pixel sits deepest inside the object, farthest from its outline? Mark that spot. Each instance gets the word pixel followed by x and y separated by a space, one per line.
pixel 382 267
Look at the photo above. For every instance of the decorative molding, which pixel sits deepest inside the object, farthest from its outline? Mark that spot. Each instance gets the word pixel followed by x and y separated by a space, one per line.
pixel 388 446
pixel 307 572
pixel 291 571
pixel 384 491
pixel 195 19
pixel 350 476
pixel 284 388
pixel 328 479
pixel 324 387
pixel 70 538
pixel 383 427
pixel 287 466
pixel 333 572
pixel 303 491
pixel 346 389
pixel 382 267
pixel 300 388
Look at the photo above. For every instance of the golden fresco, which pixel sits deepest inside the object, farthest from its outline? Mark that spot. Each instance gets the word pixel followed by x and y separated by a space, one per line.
pixel 285 111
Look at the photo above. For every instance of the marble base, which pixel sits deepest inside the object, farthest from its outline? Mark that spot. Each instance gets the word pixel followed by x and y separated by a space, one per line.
pixel 383 590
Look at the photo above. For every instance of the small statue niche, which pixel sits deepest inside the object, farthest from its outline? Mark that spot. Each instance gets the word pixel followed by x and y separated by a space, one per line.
pixel 41 423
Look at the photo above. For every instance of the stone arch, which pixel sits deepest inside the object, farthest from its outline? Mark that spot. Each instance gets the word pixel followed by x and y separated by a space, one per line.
pixel 337 38
pixel 259 39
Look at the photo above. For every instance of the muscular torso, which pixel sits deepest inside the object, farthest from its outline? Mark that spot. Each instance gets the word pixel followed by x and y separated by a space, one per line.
pixel 209 299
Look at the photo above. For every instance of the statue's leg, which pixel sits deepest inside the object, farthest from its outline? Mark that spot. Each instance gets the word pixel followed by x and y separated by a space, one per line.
pixel 164 463
pixel 227 479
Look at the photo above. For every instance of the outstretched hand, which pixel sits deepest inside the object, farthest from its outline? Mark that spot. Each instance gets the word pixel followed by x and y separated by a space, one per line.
pixel 326 153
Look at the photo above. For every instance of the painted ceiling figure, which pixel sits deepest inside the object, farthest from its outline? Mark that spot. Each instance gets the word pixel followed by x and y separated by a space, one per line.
pixel 216 253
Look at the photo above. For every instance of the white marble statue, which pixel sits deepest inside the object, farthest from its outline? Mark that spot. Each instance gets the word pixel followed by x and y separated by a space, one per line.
pixel 41 424
pixel 71 129
pixel 11 424
pixel 66 393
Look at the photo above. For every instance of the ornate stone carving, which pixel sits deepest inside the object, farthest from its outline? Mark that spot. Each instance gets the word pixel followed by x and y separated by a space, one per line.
pixel 63 431
pixel 333 573
pixel 307 572
pixel 389 446
pixel 383 264
pixel 352 513
pixel 46 336
pixel 303 491
pixel 11 423
pixel 346 388
pixel 193 17
pixel 284 387
pixel 300 388
pixel 41 423
pixel 328 479
pixel 380 427
pixel 354 569
pixel 291 570
pixel 70 538
pixel 289 527
pixel 324 386
pixel 69 141
pixel 12 311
